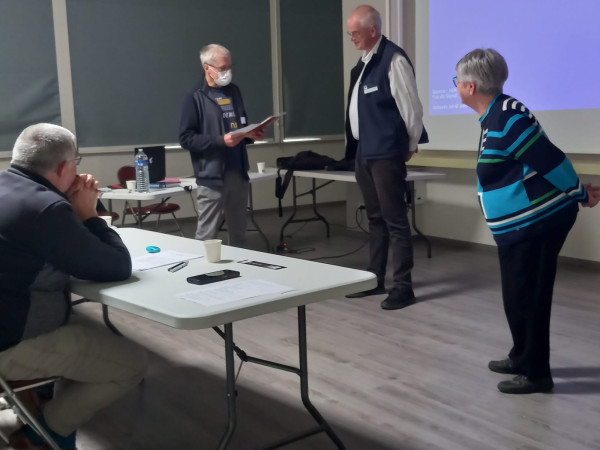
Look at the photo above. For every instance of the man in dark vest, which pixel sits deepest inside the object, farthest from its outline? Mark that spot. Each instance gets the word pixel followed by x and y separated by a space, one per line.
pixel 383 126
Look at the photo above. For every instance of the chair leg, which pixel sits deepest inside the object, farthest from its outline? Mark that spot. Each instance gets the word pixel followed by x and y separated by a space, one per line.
pixel 25 415
pixel 178 226
pixel 124 213
pixel 3 437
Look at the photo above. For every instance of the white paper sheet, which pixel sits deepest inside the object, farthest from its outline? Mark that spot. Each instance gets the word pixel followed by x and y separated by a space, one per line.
pixel 264 123
pixel 232 290
pixel 162 258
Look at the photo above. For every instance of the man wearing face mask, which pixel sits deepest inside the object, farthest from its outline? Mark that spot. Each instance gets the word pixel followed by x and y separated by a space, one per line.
pixel 211 112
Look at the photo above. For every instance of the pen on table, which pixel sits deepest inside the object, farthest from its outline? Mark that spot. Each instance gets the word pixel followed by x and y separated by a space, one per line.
pixel 178 266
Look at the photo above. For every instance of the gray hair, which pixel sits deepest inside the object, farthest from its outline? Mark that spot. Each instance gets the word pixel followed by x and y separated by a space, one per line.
pixel 486 68
pixel 371 18
pixel 209 53
pixel 42 147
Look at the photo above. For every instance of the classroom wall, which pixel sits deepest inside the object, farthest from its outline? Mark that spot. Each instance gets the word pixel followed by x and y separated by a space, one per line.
pixel 451 209
pixel 104 163
pixel 104 155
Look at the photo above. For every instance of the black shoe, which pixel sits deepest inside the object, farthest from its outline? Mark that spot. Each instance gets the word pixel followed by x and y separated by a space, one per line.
pixel 503 366
pixel 523 385
pixel 375 291
pixel 395 301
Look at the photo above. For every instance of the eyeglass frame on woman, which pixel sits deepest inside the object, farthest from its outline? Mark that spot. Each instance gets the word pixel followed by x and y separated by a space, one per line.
pixel 455 81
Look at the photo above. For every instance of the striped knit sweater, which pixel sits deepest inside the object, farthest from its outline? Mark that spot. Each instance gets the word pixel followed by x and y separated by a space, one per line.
pixel 525 183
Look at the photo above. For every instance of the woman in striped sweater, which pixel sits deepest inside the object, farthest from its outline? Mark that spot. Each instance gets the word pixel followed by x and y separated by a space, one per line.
pixel 529 194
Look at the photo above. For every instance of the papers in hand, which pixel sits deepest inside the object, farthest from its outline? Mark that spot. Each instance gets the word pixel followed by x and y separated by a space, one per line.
pixel 269 120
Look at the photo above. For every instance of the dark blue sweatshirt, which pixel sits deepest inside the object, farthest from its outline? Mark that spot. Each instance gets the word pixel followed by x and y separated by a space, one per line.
pixel 42 244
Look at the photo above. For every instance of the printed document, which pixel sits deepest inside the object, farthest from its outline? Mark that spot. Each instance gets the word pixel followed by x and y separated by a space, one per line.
pixel 269 120
pixel 232 290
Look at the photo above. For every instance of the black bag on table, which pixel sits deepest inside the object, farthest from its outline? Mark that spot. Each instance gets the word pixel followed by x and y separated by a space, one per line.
pixel 305 160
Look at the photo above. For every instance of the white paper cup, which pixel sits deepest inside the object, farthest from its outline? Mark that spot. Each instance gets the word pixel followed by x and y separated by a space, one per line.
pixel 261 167
pixel 212 250
pixel 108 220
pixel 130 185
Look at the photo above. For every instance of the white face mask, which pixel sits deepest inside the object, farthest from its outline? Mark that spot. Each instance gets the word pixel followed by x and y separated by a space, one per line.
pixel 223 78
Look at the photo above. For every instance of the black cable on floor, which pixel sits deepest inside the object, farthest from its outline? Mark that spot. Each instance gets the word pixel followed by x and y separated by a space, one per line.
pixel 296 231
pixel 358 218
pixel 342 255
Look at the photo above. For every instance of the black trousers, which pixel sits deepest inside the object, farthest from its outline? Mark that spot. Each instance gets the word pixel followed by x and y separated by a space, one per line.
pixel 528 270
pixel 382 183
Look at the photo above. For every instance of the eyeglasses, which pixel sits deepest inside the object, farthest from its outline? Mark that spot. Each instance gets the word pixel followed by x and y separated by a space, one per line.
pixel 455 81
pixel 220 69
pixel 75 160
pixel 353 34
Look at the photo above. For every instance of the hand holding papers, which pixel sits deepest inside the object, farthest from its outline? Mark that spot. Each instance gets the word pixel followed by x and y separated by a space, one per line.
pixel 257 126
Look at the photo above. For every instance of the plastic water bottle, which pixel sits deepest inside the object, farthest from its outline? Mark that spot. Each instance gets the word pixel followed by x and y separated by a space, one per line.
pixel 142 178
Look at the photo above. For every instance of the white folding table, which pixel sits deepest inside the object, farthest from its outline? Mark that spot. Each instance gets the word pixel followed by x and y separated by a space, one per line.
pixel 162 195
pixel 152 294
pixel 349 177
pixel 187 185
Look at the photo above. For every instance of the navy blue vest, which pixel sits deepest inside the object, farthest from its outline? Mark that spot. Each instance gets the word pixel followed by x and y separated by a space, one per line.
pixel 381 127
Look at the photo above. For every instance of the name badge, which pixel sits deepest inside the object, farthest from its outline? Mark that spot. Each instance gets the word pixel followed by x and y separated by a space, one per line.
pixel 368 90
pixel 243 120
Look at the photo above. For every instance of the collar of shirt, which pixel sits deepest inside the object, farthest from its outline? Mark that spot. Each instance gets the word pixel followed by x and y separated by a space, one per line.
pixel 366 57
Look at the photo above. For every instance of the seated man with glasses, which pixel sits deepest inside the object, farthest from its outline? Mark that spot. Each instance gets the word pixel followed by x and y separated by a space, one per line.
pixel 50 231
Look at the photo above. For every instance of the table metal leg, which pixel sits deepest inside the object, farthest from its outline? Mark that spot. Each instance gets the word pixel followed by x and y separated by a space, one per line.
pixel 108 323
pixel 139 217
pixel 304 379
pixel 231 392
pixel 411 195
pixel 301 371
pixel 294 209
pixel 314 206
pixel 256 227
pixel 316 217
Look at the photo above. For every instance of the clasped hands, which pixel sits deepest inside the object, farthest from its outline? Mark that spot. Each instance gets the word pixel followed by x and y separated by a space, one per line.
pixel 83 195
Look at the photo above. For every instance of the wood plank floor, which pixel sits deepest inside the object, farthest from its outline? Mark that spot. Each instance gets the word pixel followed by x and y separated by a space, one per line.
pixel 411 379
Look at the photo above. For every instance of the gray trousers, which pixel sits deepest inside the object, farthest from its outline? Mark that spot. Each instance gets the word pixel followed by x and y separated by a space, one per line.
pixel 382 183
pixel 229 202
pixel 97 368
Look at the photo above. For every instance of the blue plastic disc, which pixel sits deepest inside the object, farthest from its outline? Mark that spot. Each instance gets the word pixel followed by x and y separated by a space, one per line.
pixel 152 249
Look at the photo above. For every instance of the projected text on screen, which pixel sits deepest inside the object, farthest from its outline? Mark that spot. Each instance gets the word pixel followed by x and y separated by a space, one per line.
pixel 551 48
